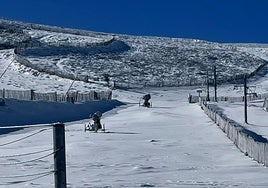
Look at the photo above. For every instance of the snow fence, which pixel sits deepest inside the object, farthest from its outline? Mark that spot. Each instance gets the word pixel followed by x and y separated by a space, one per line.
pixel 56 97
pixel 195 99
pixel 250 143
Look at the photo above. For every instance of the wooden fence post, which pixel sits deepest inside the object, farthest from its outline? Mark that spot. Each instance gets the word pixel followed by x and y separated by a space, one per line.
pixel 32 95
pixel 56 100
pixel 4 93
pixel 59 155
pixel 76 97
pixel 95 95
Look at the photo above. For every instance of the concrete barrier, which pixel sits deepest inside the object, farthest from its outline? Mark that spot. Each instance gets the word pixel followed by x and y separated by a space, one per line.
pixel 250 143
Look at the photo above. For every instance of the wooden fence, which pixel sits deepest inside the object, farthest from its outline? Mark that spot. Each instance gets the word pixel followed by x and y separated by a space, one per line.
pixel 250 143
pixel 195 99
pixel 56 97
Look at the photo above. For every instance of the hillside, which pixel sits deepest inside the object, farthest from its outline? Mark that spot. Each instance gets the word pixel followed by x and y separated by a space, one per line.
pixel 125 60
pixel 172 144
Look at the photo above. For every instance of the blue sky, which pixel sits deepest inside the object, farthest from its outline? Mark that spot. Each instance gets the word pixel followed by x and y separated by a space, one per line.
pixel 213 20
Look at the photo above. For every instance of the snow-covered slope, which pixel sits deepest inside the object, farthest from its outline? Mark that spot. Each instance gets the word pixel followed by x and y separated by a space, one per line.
pixel 140 60
pixel 16 76
pixel 173 144
pixel 124 59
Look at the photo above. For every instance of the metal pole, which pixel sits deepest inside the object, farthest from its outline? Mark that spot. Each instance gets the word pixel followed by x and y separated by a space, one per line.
pixel 215 83
pixel 59 155
pixel 245 99
pixel 207 87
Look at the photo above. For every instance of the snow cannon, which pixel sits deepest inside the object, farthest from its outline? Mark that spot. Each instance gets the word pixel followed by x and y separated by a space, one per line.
pixel 146 99
pixel 96 125
pixel 96 121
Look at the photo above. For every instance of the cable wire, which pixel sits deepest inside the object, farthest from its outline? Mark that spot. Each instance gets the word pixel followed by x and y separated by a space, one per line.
pixel 25 154
pixel 39 175
pixel 25 126
pixel 14 141
pixel 6 68
pixel 29 180
pixel 32 160
pixel 27 175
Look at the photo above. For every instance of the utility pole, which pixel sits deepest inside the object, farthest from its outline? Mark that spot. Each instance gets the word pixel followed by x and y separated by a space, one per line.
pixel 207 87
pixel 215 82
pixel 59 155
pixel 245 99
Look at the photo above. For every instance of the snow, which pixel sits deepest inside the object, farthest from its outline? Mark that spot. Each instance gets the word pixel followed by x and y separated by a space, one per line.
pixel 40 112
pixel 172 144
pixel 256 115
pixel 133 60
pixel 255 112
pixel 65 39
pixel 174 61
pixel 18 76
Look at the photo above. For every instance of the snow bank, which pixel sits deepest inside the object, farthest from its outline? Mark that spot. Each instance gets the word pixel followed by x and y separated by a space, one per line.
pixel 16 112
pixel 248 142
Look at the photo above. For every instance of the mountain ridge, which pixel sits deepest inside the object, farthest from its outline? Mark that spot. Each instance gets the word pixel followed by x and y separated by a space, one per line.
pixel 146 60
